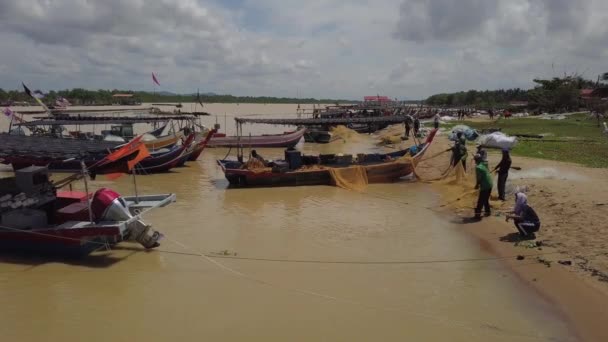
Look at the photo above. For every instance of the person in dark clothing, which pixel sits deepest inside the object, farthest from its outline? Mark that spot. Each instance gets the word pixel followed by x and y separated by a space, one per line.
pixel 255 155
pixel 459 154
pixel 436 121
pixel 525 218
pixel 416 126
pixel 408 126
pixel 484 184
pixel 483 153
pixel 503 173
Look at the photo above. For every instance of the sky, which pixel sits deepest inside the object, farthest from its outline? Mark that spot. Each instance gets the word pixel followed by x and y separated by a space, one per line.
pixel 406 49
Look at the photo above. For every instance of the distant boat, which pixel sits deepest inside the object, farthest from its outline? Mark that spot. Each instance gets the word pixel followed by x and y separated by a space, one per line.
pixel 271 140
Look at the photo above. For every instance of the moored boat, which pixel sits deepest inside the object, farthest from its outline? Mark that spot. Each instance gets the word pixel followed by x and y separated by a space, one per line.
pixel 36 217
pixel 299 170
pixel 271 140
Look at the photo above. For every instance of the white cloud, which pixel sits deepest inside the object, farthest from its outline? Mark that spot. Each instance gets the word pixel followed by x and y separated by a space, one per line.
pixel 321 48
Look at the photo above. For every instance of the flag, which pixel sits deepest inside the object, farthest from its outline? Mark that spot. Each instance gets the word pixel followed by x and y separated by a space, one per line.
pixel 29 93
pixel 142 153
pixel 135 151
pixel 38 94
pixel 27 90
pixel 8 112
pixel 62 102
pixel 124 151
pixel 155 80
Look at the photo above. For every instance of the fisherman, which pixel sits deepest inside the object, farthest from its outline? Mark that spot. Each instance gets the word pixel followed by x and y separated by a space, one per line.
pixel 436 121
pixel 408 128
pixel 459 154
pixel 416 125
pixel 503 173
pixel 255 155
pixel 484 184
pixel 525 218
pixel 483 153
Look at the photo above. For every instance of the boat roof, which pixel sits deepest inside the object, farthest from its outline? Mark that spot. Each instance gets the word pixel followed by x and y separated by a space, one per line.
pixel 34 146
pixel 324 121
pixel 96 120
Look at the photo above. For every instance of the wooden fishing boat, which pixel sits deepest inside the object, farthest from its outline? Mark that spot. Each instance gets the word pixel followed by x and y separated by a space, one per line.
pixel 164 162
pixel 38 218
pixel 66 155
pixel 272 140
pixel 313 170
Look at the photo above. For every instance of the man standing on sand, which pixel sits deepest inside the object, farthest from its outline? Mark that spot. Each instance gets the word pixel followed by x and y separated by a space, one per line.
pixel 503 173
pixel 416 125
pixel 408 127
pixel 484 184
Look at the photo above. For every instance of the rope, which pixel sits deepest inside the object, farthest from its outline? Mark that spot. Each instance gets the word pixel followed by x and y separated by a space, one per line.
pixel 489 328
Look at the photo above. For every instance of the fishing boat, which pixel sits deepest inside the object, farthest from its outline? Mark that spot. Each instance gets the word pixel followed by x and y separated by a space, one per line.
pixel 37 217
pixel 285 140
pixel 66 155
pixel 298 170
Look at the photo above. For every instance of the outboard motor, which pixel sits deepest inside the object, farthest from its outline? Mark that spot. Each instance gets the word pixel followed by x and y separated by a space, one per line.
pixel 107 205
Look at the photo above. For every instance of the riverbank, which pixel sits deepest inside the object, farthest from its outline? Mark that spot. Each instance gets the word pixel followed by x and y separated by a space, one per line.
pixel 569 199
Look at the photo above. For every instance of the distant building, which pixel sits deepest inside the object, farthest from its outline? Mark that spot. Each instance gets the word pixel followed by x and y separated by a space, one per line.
pixel 125 99
pixel 379 99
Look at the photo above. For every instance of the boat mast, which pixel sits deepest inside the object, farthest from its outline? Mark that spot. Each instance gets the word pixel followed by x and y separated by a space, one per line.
pixel 86 190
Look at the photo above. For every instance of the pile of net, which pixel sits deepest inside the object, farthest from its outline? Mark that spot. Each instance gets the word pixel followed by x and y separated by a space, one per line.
pixel 350 178
pixel 255 165
pixel 391 135
pixel 344 133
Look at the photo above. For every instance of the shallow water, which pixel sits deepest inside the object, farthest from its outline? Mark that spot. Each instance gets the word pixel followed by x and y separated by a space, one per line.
pixel 173 293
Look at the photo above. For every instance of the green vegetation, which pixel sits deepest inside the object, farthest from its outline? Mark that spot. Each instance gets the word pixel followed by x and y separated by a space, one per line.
pixel 479 99
pixel 575 139
pixel 554 95
pixel 79 96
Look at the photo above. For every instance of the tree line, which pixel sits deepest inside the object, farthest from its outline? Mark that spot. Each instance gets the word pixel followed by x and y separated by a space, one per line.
pixel 554 95
pixel 80 96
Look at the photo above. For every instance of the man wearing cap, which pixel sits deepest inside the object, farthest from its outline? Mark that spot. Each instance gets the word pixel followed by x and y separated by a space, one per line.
pixel 484 184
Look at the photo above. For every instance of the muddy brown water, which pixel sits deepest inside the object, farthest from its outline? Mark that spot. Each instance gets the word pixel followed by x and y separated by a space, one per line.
pixel 332 270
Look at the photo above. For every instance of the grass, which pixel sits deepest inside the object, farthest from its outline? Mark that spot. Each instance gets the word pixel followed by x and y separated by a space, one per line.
pixel 591 149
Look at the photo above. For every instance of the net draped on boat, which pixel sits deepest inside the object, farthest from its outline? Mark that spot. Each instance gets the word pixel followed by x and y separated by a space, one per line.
pixel 350 178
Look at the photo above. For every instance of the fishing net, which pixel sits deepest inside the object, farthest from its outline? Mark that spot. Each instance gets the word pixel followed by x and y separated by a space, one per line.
pixel 345 133
pixel 255 165
pixel 350 178
pixel 457 186
pixel 391 135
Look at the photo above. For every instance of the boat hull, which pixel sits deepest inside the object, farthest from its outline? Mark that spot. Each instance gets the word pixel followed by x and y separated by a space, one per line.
pixel 281 140
pixel 75 242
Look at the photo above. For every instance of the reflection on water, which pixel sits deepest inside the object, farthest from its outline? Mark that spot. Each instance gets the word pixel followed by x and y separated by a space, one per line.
pixel 173 294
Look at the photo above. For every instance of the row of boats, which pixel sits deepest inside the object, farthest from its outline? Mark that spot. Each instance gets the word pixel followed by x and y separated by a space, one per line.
pixel 39 215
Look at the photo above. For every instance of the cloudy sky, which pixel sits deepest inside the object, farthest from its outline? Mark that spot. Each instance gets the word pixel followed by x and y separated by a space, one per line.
pixel 315 48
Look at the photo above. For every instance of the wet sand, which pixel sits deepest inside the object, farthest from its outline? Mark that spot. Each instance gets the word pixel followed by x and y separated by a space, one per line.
pixel 338 265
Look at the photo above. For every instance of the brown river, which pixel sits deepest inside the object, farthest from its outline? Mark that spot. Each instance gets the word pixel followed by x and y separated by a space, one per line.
pixel 279 264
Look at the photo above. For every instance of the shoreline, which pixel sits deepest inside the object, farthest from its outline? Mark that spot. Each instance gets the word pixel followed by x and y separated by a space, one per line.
pixel 583 305
pixel 575 293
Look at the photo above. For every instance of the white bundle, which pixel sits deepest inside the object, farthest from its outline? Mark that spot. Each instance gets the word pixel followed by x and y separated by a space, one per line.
pixel 498 140
pixel 6 198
